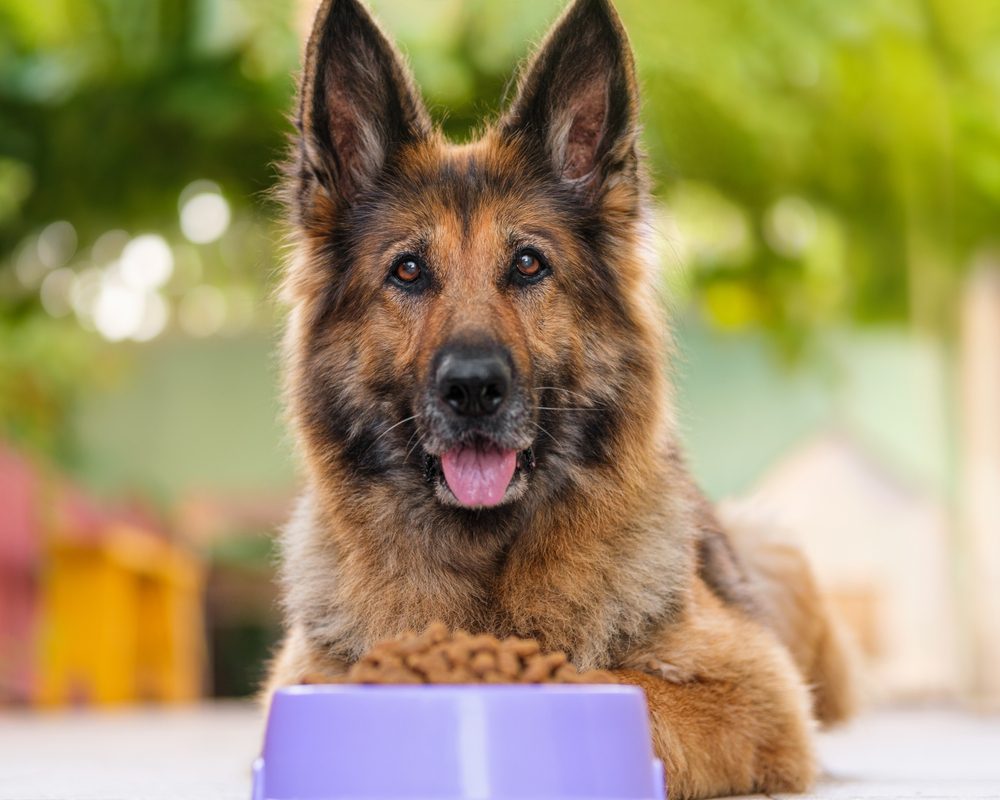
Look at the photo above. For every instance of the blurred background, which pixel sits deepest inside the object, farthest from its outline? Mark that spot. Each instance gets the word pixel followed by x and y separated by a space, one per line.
pixel 827 180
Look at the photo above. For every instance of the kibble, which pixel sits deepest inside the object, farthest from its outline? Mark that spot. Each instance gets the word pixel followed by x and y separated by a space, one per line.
pixel 440 656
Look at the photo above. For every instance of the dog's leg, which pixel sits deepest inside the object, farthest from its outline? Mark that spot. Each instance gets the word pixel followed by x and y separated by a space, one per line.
pixel 729 711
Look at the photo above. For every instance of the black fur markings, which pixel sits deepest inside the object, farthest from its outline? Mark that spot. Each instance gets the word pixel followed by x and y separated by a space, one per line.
pixel 354 426
pixel 352 440
pixel 599 430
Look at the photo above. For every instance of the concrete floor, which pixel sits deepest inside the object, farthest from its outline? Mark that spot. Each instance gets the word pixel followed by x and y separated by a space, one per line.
pixel 205 753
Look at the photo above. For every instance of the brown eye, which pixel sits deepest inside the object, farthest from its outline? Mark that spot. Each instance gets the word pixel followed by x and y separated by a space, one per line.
pixel 528 264
pixel 529 267
pixel 406 270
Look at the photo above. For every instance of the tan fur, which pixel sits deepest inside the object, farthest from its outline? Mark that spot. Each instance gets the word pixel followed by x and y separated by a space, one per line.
pixel 735 719
pixel 608 551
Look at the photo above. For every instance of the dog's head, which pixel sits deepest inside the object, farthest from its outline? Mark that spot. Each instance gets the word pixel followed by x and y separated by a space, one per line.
pixel 471 324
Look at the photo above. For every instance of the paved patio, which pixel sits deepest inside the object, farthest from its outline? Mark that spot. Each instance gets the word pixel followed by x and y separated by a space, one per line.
pixel 204 753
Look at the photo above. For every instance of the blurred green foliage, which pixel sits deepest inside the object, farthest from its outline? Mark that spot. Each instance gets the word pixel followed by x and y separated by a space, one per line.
pixel 108 108
pixel 819 162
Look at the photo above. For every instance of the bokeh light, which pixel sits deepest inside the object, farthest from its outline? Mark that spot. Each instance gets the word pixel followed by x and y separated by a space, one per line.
pixel 83 295
pixel 204 212
pixel 118 310
pixel 56 244
pixel 55 292
pixel 156 313
pixel 147 262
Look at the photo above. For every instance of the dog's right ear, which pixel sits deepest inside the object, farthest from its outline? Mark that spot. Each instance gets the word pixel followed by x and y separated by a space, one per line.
pixel 357 101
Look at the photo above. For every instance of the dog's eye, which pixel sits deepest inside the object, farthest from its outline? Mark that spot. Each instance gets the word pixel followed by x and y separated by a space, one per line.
pixel 529 266
pixel 407 270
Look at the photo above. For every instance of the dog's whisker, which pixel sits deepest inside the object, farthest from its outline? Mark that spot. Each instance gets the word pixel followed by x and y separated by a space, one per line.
pixel 415 432
pixel 543 430
pixel 416 444
pixel 392 428
pixel 566 408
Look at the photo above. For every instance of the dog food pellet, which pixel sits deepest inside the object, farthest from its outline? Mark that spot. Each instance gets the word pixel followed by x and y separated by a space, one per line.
pixel 440 656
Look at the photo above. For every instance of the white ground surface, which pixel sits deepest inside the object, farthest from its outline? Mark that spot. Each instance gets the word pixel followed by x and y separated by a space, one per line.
pixel 204 753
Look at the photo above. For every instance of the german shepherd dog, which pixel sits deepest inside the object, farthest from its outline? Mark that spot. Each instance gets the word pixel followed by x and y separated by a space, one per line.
pixel 475 361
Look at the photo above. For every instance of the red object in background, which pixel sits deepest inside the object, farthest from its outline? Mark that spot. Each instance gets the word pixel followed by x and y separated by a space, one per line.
pixel 19 524
pixel 20 554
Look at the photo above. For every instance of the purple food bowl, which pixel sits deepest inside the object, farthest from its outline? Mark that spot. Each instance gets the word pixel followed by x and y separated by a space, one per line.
pixel 559 742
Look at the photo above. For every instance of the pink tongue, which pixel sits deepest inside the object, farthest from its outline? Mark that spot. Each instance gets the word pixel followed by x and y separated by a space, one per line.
pixel 478 475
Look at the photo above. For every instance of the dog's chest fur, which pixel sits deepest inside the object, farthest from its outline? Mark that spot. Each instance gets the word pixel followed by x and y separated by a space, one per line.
pixel 597 594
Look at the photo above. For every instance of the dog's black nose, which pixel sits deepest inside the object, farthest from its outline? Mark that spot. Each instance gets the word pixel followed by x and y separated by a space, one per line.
pixel 473 381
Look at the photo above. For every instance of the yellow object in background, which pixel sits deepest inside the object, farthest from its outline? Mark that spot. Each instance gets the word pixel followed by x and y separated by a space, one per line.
pixel 121 620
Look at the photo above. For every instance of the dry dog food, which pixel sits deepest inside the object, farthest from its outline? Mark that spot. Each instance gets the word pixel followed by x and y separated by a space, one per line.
pixel 440 656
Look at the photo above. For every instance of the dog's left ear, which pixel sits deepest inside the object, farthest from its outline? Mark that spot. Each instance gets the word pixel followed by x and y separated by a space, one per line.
pixel 578 99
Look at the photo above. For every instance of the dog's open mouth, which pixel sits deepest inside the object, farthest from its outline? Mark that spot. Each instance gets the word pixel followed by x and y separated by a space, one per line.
pixel 479 472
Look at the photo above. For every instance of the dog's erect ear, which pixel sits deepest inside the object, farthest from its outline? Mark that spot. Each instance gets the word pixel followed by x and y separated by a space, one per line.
pixel 578 95
pixel 357 101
